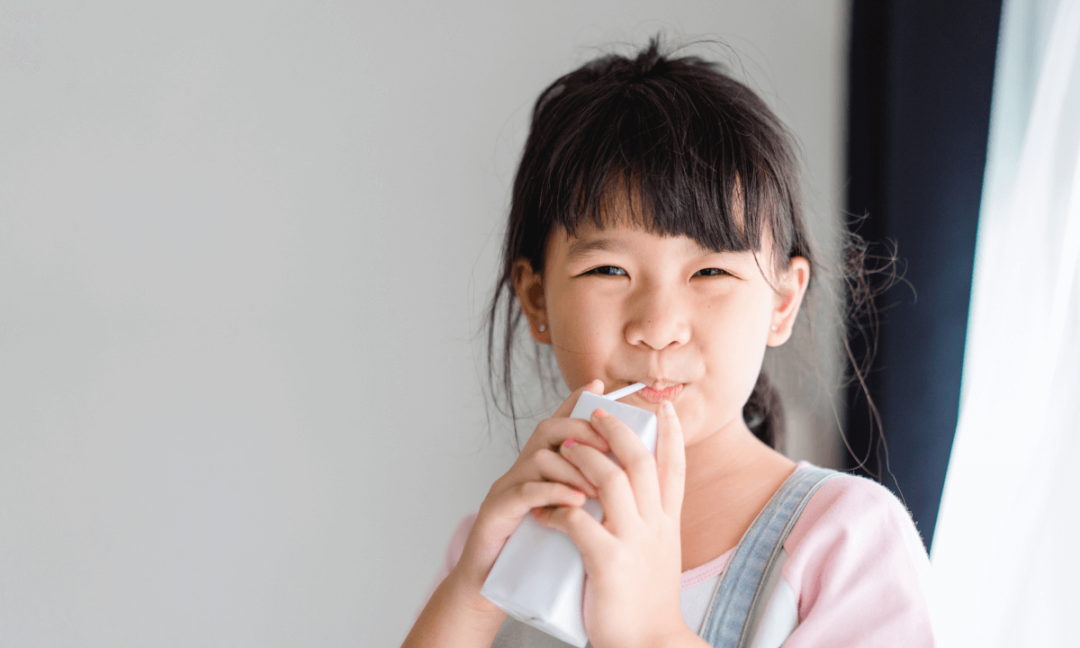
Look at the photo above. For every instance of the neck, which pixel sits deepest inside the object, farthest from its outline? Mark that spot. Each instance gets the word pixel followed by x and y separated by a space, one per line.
pixel 722 456
pixel 730 475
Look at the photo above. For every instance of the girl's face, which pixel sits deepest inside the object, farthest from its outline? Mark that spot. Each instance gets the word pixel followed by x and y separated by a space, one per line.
pixel 626 306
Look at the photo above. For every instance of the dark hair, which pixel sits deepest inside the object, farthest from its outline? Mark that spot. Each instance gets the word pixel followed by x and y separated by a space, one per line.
pixel 699 152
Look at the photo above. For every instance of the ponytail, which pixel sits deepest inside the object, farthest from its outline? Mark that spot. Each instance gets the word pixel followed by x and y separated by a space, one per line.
pixel 764 413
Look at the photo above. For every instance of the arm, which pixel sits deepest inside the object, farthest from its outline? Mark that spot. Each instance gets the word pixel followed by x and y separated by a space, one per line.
pixel 456 616
pixel 454 613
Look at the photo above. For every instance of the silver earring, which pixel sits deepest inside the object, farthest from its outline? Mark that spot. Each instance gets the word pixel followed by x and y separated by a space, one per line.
pixel 542 328
pixel 773 328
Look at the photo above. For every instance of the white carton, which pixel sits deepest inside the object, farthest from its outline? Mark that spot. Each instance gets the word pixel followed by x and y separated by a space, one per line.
pixel 539 578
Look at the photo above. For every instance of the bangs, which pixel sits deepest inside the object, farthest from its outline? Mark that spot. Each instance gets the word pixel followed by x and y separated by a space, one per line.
pixel 683 152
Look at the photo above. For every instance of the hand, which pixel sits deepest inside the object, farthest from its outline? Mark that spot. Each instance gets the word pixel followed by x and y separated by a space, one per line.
pixel 633 558
pixel 540 477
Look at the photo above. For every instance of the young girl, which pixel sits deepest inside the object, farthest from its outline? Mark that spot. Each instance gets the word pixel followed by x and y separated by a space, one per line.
pixel 656 236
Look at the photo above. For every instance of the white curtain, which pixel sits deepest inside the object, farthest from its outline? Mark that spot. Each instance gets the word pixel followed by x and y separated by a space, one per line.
pixel 1006 550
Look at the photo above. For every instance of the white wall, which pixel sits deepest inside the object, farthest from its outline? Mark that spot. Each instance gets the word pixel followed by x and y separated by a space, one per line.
pixel 233 240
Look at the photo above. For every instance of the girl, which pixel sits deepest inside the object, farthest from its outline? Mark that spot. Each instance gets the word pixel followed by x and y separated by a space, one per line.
pixel 656 236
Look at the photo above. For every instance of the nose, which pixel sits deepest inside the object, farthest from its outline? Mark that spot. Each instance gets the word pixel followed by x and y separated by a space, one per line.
pixel 658 319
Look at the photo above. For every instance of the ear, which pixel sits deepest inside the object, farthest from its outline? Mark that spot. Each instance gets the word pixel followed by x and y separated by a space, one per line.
pixel 529 288
pixel 792 287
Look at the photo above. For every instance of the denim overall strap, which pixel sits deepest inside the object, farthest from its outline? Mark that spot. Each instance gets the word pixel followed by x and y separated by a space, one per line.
pixel 740 588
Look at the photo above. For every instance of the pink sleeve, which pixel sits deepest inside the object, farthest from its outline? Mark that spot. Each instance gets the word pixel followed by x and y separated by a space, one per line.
pixel 859 570
pixel 453 554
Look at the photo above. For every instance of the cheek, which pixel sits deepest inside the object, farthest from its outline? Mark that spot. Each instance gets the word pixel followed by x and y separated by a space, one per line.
pixel 733 344
pixel 580 322
pixel 584 334
pixel 736 334
pixel 734 358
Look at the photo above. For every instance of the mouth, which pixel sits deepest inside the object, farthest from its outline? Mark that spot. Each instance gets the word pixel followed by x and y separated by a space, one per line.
pixel 659 391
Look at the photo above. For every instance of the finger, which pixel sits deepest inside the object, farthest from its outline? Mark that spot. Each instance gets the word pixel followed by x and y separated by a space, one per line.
pixel 554 467
pixel 616 496
pixel 670 460
pixel 591 538
pixel 578 430
pixel 552 432
pixel 634 457
pixel 595 386
pixel 514 503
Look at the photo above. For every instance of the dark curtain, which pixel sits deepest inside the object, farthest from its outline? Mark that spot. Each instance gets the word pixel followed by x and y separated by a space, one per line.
pixel 921 75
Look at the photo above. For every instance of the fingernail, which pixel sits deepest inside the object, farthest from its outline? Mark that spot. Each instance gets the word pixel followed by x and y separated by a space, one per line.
pixel 669 408
pixel 569 442
pixel 599 413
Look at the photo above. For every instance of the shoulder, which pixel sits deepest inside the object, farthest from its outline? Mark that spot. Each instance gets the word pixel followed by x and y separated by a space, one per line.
pixel 847 504
pixel 849 520
pixel 855 554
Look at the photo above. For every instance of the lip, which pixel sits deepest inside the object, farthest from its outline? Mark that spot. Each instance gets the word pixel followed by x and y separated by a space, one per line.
pixel 655 396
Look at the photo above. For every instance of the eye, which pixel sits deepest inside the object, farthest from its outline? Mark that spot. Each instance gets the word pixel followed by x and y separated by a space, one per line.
pixel 611 271
pixel 713 272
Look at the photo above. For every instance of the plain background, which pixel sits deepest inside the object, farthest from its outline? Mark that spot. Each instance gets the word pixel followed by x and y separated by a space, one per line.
pixel 245 250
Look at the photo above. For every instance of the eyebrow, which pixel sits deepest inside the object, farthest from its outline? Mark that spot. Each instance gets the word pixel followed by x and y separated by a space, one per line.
pixel 583 247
